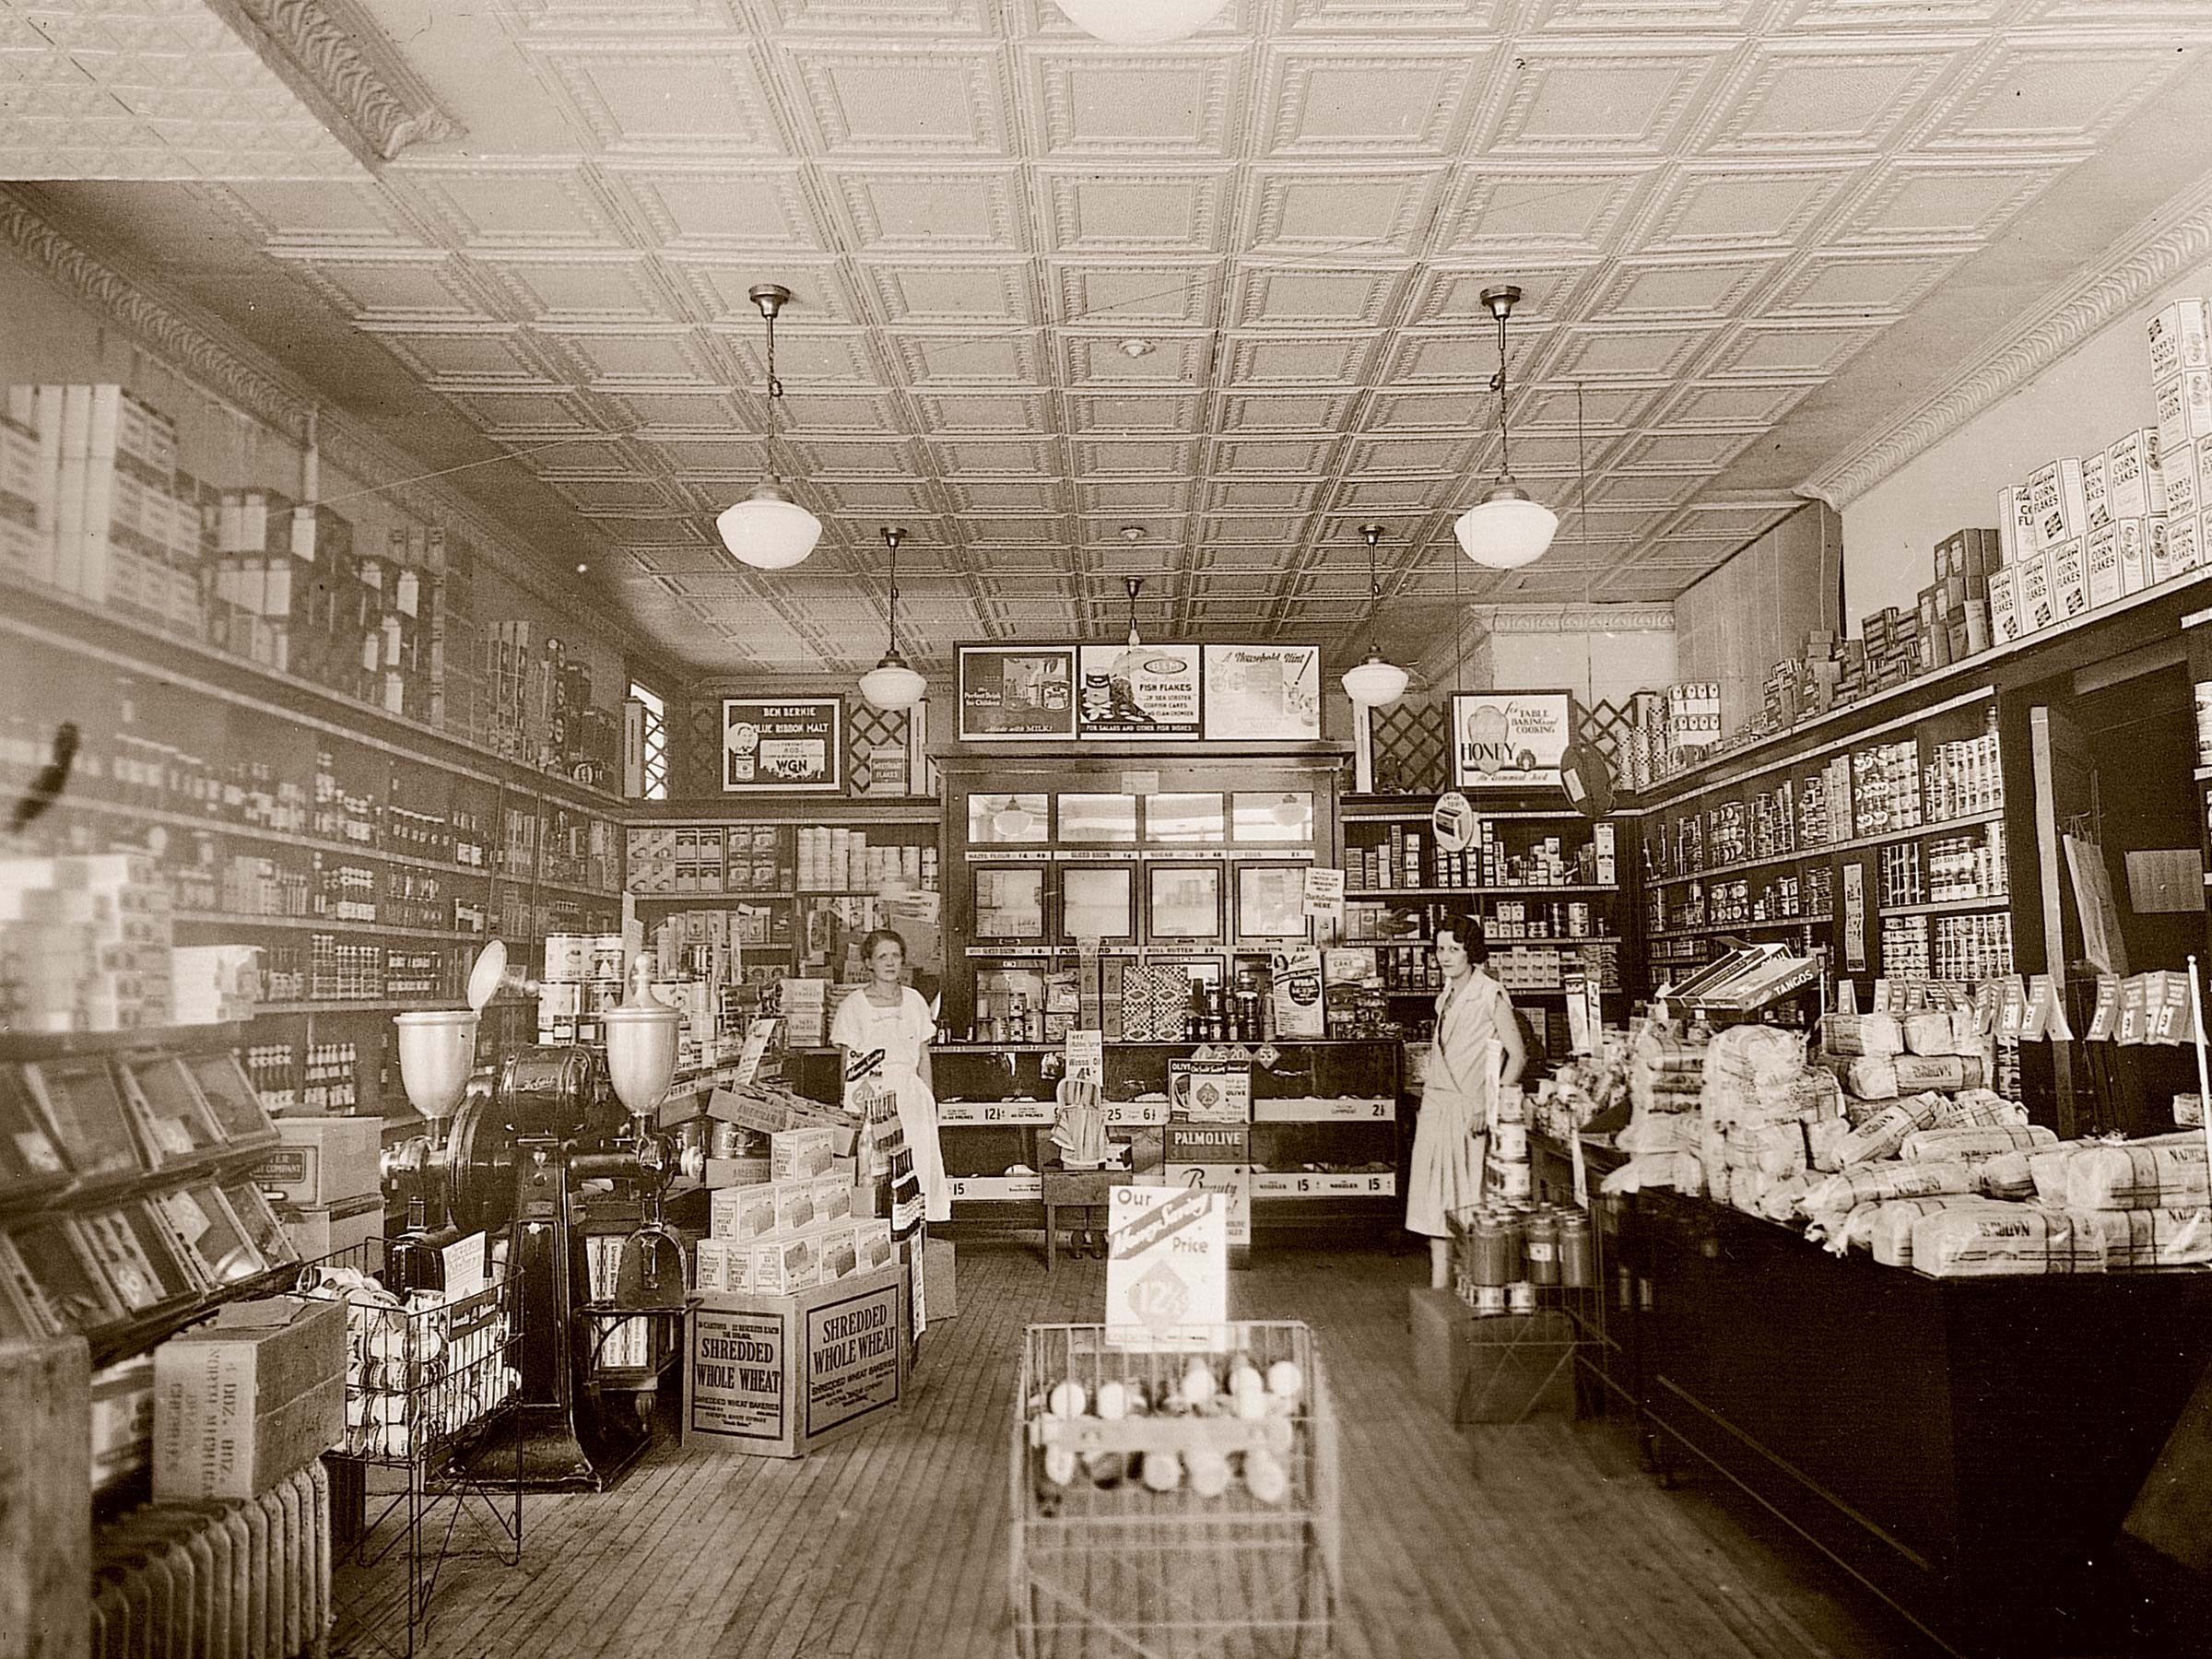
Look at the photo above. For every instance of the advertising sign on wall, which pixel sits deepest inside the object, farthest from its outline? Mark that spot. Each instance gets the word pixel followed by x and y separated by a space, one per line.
pixel 1140 691
pixel 785 744
pixel 1016 695
pixel 1509 739
pixel 1263 691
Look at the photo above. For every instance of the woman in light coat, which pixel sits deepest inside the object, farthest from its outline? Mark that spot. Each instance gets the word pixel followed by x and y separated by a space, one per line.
pixel 1449 1139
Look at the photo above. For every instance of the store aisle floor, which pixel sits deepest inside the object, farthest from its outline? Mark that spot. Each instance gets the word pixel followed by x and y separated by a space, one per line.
pixel 1542 1541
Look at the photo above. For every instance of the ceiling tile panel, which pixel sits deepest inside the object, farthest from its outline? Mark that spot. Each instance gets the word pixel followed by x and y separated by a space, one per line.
pixel 639 97
pixel 1924 201
pixel 1262 495
pixel 715 208
pixel 1131 295
pixel 604 288
pixel 1707 290
pixel 945 359
pixel 1861 283
pixel 1337 101
pixel 458 354
pixel 481 205
pixel 1370 211
pixel 939 291
pixel 1004 456
pixel 1120 104
pixel 1521 209
pixel 1136 212
pixel 1131 412
pixel 1710 206
pixel 1018 495
pixel 1328 360
pixel 1799 98
pixel 946 209
pixel 925 102
pixel 1285 412
pixel 1309 300
pixel 971 412
pixel 1134 495
pixel 396 285
pixel 1765 352
pixel 1602 98
pixel 2052 95
pixel 657 411
pixel 1169 360
pixel 666 353
pixel 324 214
pixel 1155 459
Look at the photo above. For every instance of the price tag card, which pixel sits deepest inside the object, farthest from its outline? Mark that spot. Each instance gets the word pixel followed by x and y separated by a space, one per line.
pixel 757 1037
pixel 1085 1053
pixel 1167 1268
pixel 1324 894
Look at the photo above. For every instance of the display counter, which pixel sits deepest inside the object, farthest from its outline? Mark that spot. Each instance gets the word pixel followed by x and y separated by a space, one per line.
pixel 1322 1146
pixel 1967 1447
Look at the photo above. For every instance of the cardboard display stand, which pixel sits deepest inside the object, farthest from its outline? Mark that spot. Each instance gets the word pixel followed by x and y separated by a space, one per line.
pixel 778 1375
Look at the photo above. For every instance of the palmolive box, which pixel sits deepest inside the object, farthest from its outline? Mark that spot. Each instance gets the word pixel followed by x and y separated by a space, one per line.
pixel 801 1154
pixel 2184 402
pixel 2180 338
pixel 741 1215
pixel 2036 607
pixel 2054 502
pixel 2103 550
pixel 2133 486
pixel 248 1398
pixel 2069 579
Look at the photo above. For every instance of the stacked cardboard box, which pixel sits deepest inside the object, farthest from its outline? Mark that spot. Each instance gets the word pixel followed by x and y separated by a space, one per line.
pixel 85 943
pixel 91 502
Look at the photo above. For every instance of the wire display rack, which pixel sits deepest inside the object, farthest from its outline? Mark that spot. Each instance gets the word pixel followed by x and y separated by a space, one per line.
pixel 426 1377
pixel 1240 1559
pixel 1529 1336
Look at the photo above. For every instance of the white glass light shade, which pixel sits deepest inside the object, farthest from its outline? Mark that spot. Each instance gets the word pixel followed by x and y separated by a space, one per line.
pixel 892 684
pixel 1374 682
pixel 1505 530
pixel 768 530
pixel 437 1052
pixel 1141 22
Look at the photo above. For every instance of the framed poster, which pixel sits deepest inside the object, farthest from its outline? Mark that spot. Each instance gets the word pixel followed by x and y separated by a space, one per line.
pixel 1098 901
pixel 1509 739
pixel 1271 901
pixel 1016 694
pixel 1009 902
pixel 782 745
pixel 1140 691
pixel 1183 903
pixel 1263 691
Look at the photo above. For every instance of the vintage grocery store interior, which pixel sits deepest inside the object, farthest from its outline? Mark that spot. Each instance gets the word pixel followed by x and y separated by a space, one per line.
pixel 533 535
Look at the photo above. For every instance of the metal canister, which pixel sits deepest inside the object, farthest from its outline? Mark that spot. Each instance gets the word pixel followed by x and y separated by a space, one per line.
pixel 1577 1267
pixel 1489 1263
pixel 1514 1181
pixel 1520 1298
pixel 1509 1142
pixel 1543 1248
pixel 729 1139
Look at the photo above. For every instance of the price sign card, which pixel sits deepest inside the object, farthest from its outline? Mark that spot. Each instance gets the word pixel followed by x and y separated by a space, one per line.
pixel 1209 1091
pixel 1324 894
pixel 1086 1054
pixel 1167 1268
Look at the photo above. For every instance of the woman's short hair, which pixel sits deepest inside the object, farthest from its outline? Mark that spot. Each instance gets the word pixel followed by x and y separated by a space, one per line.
pixel 881 935
pixel 1460 921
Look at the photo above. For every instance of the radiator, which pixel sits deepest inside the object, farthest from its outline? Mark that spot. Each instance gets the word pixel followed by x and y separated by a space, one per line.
pixel 219 1579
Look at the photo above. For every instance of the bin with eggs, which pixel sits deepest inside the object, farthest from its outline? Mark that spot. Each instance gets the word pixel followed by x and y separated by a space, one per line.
pixel 420 1369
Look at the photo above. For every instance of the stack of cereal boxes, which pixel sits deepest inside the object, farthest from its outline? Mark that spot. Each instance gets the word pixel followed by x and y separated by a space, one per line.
pixel 2087 531
pixel 795 1231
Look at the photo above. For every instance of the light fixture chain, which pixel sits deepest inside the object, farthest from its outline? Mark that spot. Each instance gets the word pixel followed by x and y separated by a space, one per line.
pixel 1505 440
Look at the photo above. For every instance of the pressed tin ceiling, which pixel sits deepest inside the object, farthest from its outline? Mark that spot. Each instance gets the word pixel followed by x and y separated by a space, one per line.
pixel 1718 211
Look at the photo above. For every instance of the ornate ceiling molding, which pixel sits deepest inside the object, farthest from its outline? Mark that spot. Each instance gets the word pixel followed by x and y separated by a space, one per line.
pixel 2172 241
pixel 368 96
pixel 195 353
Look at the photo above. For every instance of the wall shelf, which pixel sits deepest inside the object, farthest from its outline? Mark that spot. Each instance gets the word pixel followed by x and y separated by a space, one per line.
pixel 324 924
pixel 1942 826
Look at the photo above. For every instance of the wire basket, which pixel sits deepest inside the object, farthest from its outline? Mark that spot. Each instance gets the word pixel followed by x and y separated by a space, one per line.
pixel 1240 1557
pixel 420 1373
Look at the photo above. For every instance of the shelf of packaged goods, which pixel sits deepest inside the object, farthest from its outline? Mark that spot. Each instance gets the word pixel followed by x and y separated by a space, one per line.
pixel 708 901
pixel 1497 944
pixel 67 622
pixel 58 1045
pixel 324 924
pixel 374 1004
pixel 255 833
pixel 545 884
pixel 1973 820
pixel 1135 953
pixel 1509 990
pixel 846 812
pixel 868 892
pixel 1480 892
pixel 1938 906
pixel 1713 929
pixel 2203 773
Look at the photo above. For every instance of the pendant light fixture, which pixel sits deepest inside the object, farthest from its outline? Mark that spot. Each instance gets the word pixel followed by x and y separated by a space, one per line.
pixel 1141 22
pixel 1131 657
pixel 892 684
pixel 1375 681
pixel 769 530
pixel 1505 530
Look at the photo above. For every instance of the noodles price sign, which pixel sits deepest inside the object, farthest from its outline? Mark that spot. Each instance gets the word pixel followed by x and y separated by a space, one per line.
pixel 1509 739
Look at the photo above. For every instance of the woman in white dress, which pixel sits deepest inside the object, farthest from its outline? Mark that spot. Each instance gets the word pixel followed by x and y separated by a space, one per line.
pixel 1449 1137
pixel 888 1018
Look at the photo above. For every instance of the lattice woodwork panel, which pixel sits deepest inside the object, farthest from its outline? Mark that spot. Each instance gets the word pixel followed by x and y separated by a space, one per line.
pixel 876 750
pixel 1412 748
pixel 1606 729
pixel 695 751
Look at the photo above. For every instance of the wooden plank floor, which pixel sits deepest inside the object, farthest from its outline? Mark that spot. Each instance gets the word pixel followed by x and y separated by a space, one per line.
pixel 1539 1541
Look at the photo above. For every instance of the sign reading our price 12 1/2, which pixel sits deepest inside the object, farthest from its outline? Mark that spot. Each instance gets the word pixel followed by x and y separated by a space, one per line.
pixel 782 744
pixel 1509 739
